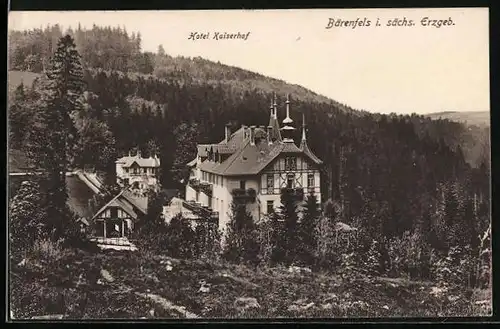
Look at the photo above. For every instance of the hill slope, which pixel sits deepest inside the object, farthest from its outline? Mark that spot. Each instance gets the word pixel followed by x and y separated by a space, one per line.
pixel 141 285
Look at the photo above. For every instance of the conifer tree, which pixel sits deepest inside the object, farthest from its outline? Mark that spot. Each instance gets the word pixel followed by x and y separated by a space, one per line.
pixel 51 143
pixel 18 117
pixel 241 235
pixel 26 216
pixel 288 214
pixel 308 225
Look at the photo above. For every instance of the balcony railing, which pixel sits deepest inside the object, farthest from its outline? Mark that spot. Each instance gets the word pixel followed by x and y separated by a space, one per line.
pixel 194 183
pixel 295 193
pixel 203 212
pixel 244 195
pixel 204 187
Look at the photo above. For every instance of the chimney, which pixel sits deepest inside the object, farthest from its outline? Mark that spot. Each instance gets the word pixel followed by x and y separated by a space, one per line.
pixel 228 131
pixel 269 137
pixel 139 153
pixel 252 135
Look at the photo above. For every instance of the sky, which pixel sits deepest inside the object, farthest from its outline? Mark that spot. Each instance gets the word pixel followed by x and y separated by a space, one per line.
pixel 401 69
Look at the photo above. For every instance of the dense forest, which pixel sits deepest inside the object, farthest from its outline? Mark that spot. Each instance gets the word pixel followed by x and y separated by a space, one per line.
pixel 388 174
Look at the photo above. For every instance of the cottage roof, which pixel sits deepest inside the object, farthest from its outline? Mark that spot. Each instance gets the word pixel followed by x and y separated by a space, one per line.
pixel 128 202
pixel 343 227
pixel 19 162
pixel 127 161
pixel 79 193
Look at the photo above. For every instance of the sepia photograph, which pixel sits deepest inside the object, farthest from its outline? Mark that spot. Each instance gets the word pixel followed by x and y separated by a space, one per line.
pixel 248 164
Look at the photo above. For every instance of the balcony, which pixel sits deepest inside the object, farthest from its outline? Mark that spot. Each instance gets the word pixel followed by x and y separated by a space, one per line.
pixel 204 187
pixel 244 195
pixel 203 212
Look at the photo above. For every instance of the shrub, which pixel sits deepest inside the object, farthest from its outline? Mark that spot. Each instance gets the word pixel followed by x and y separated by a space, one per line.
pixel 241 240
pixel 207 241
pixel 47 249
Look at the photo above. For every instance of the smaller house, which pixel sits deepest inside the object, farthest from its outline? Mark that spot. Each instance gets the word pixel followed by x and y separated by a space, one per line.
pixel 119 216
pixel 138 172
pixel 191 211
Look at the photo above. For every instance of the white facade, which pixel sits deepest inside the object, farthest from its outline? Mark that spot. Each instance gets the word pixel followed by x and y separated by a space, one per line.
pixel 222 187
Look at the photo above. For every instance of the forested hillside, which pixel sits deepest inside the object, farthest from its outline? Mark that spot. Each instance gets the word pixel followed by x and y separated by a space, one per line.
pixel 387 174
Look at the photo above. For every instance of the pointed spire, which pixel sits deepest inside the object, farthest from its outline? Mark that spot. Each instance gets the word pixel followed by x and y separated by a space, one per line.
pixel 272 110
pixel 288 128
pixel 287 120
pixel 303 127
pixel 275 106
pixel 273 122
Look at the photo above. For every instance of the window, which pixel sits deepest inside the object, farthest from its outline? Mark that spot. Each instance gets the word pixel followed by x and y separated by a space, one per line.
pixel 270 206
pixel 135 171
pixel 290 163
pixel 290 180
pixel 144 170
pixel 310 180
pixel 242 184
pixel 270 182
pixel 114 212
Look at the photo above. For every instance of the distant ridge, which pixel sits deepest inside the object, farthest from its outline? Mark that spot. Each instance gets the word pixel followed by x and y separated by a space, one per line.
pixel 478 118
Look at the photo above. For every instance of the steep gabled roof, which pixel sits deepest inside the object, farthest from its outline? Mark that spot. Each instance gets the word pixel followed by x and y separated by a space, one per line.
pixel 128 202
pixel 305 149
pixel 140 202
pixel 250 159
pixel 236 139
pixel 127 161
pixel 224 147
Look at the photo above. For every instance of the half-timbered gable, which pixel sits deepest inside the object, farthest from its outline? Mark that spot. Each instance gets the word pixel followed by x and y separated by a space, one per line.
pixel 119 216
